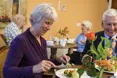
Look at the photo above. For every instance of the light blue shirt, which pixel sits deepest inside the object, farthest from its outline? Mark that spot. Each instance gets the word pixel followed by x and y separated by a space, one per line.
pixel 81 46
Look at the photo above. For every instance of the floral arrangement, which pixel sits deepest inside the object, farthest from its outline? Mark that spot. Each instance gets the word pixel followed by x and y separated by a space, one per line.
pixel 102 57
pixel 63 32
pixel 4 18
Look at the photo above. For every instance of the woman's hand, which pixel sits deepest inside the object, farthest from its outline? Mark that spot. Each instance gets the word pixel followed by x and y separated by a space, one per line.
pixel 83 41
pixel 63 59
pixel 43 66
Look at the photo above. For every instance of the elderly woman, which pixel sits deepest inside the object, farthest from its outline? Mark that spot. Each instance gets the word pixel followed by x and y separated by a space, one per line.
pixel 81 41
pixel 27 57
pixel 14 28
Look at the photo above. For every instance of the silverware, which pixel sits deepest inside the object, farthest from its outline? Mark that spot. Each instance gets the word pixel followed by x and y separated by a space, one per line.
pixel 65 66
pixel 61 67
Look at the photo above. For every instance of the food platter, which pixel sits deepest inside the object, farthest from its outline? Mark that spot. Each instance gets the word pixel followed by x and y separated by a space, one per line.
pixel 60 73
pixel 110 72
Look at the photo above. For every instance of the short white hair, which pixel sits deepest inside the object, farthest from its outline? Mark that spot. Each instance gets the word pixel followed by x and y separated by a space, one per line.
pixel 87 24
pixel 109 12
pixel 43 10
pixel 17 19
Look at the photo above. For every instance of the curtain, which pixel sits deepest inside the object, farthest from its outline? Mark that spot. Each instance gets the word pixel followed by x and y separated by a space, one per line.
pixel 22 7
pixel 10 3
pixel 109 4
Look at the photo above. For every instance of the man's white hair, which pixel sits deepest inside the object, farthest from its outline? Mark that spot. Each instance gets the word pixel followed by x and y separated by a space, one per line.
pixel 17 19
pixel 109 12
pixel 87 24
pixel 43 10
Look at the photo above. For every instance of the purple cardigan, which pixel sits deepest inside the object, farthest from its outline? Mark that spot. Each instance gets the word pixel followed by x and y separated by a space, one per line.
pixel 24 53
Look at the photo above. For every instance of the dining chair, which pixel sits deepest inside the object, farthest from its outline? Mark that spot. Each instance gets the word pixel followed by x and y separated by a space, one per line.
pixel 3 55
pixel 4 38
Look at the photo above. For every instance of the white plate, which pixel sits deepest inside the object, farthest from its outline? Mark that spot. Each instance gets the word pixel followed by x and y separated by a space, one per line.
pixel 50 45
pixel 110 72
pixel 60 73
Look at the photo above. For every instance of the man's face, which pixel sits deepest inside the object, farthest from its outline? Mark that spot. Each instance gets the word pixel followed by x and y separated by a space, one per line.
pixel 20 23
pixel 84 29
pixel 110 25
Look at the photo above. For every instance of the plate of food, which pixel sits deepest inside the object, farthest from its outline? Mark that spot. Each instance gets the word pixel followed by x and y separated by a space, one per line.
pixel 70 73
pixel 109 65
pixel 106 70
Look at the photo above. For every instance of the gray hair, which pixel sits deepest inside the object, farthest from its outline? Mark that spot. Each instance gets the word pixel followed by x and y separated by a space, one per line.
pixel 109 12
pixel 87 24
pixel 18 18
pixel 43 10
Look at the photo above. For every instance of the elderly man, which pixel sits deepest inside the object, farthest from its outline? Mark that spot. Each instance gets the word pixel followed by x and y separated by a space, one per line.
pixel 109 25
pixel 14 28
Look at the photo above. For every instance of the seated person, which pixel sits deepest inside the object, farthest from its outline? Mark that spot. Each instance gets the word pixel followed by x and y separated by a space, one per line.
pixel 27 56
pixel 14 28
pixel 81 40
pixel 109 25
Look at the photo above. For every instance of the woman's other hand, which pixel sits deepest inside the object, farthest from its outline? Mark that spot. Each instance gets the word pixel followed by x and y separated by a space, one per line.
pixel 43 66
pixel 63 59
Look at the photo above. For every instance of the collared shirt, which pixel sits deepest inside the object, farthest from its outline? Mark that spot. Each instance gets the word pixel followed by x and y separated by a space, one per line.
pixel 81 46
pixel 11 31
pixel 106 36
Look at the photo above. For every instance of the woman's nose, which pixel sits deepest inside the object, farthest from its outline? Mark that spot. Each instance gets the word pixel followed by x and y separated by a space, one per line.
pixel 48 27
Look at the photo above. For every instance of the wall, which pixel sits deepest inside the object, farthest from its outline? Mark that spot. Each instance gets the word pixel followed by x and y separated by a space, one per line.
pixel 76 11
